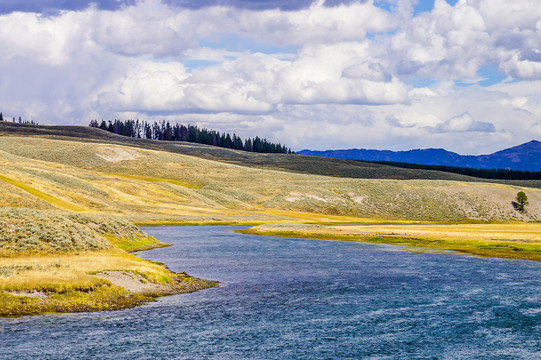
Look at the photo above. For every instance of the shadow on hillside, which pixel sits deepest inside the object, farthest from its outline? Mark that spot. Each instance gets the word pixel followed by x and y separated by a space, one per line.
pixel 518 207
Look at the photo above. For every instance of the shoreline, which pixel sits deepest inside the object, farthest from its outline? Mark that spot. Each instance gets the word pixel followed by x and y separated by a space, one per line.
pixel 109 277
pixel 493 248
pixel 136 284
pixel 107 298
pixel 116 290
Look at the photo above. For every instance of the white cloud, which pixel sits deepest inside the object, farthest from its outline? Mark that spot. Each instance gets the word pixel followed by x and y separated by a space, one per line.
pixel 257 83
pixel 318 77
pixel 49 41
pixel 453 42
pixel 518 67
pixel 317 24
pixel 149 28
pixel 147 86
pixel 449 42
pixel 464 122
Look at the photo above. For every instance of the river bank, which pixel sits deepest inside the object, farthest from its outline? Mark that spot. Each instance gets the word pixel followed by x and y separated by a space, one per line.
pixel 87 283
pixel 510 241
pixel 61 262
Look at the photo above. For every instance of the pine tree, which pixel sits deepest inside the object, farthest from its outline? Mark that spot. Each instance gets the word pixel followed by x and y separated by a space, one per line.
pixel 165 131
pixel 522 200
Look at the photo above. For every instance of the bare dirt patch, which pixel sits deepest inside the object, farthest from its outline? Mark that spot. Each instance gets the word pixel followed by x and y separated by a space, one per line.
pixel 359 199
pixel 117 153
pixel 295 196
pixel 137 284
pixel 29 293
pixel 131 281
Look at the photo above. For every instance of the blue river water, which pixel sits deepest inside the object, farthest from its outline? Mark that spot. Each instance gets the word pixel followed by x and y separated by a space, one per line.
pixel 305 299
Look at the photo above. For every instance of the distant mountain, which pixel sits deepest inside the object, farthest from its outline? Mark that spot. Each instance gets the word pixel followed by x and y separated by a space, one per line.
pixel 526 157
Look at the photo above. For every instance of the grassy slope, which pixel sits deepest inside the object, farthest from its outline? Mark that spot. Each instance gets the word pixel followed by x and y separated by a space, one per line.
pixel 149 185
pixel 298 163
pixel 52 256
pixel 53 176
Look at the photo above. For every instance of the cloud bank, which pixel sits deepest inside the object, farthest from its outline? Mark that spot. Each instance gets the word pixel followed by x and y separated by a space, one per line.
pixel 321 74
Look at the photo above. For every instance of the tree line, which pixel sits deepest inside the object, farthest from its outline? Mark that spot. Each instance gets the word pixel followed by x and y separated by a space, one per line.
pixel 21 121
pixel 165 131
pixel 495 174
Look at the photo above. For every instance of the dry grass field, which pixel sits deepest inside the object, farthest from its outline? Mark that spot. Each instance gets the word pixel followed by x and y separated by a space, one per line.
pixel 159 186
pixel 69 197
pixel 515 232
pixel 297 164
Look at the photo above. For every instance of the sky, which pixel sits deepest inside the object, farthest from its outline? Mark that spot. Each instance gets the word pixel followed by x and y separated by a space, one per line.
pixel 464 75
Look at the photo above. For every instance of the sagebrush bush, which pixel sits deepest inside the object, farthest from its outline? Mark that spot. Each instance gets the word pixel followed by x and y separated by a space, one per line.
pixel 31 230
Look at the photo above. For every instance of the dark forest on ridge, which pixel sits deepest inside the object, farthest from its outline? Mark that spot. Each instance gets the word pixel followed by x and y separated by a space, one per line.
pixel 496 174
pixel 190 133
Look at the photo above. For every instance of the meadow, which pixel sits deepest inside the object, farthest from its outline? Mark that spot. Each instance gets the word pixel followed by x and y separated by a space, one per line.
pixel 70 197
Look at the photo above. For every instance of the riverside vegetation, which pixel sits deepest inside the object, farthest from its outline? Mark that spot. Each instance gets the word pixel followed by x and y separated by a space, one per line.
pixel 70 197
pixel 48 263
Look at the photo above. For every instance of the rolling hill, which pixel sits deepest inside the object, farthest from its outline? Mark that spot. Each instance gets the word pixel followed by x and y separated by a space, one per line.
pixel 85 170
pixel 303 164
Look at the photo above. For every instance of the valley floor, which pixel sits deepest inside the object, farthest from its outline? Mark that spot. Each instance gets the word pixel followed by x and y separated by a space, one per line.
pixel 71 198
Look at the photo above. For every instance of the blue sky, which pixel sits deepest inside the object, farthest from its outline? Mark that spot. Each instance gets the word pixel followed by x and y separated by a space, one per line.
pixel 428 5
pixel 385 74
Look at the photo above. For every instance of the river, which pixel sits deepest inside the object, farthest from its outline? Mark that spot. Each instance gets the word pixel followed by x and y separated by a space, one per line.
pixel 305 299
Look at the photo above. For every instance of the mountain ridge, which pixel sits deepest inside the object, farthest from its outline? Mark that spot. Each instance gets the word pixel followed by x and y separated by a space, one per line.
pixel 525 157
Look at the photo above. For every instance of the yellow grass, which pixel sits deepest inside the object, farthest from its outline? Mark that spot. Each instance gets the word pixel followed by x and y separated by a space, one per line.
pixel 65 272
pixel 37 282
pixel 56 283
pixel 157 180
pixel 518 232
pixel 305 217
pixel 156 186
pixel 54 256
pixel 59 203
